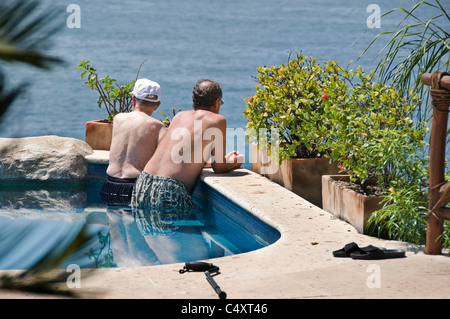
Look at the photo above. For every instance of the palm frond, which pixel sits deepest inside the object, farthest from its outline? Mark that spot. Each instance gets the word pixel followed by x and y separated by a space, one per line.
pixel 44 274
pixel 25 33
pixel 420 46
pixel 8 97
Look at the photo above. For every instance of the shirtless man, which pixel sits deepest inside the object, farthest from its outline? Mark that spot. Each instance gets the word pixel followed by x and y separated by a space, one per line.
pixel 134 140
pixel 170 176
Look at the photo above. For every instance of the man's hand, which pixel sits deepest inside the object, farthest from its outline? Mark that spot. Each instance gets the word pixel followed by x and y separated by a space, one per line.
pixel 235 159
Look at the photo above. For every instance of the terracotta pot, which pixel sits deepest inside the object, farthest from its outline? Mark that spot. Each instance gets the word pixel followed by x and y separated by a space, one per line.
pixel 303 176
pixel 347 204
pixel 99 134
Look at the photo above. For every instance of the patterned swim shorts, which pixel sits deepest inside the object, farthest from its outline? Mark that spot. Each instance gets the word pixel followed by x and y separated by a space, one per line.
pixel 160 191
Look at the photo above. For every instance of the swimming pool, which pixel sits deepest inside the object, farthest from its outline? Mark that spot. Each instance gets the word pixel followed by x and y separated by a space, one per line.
pixel 33 217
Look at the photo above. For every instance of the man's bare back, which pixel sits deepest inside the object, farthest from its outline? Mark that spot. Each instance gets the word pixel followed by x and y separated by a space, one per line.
pixel 135 138
pixel 191 137
pixel 169 178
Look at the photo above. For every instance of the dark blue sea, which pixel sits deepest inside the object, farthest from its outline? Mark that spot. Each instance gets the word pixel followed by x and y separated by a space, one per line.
pixel 184 41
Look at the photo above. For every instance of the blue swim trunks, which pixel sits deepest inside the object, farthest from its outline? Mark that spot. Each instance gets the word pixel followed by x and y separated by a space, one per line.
pixel 160 191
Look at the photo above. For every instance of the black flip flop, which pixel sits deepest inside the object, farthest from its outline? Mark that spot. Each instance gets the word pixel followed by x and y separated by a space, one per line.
pixel 372 252
pixel 347 250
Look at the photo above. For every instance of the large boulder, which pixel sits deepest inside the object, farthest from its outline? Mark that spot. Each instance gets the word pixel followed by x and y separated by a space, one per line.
pixel 43 158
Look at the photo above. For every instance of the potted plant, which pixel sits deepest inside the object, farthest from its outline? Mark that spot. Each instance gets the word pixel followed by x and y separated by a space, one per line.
pixel 289 102
pixel 114 98
pixel 375 142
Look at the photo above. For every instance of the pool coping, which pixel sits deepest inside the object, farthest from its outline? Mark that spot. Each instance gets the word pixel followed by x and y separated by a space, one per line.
pixel 299 265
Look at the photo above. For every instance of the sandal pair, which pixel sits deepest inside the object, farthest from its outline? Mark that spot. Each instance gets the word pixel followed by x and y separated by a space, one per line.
pixel 369 252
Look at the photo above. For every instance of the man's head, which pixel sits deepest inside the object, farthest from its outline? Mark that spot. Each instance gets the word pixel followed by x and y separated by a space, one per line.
pixel 147 93
pixel 206 94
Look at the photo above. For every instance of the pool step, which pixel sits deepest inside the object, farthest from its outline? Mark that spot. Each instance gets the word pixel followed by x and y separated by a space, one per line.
pixel 216 240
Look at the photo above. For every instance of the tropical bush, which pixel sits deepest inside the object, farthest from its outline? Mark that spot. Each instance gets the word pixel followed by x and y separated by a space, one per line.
pixel 371 133
pixel 403 216
pixel 115 98
pixel 368 127
pixel 289 101
pixel 324 110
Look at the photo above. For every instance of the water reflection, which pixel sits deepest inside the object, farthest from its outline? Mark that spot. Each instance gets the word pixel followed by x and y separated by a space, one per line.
pixel 34 219
pixel 23 195
pixel 139 237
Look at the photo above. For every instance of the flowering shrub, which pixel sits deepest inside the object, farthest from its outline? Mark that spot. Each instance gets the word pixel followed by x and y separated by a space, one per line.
pixel 372 134
pixel 323 110
pixel 289 98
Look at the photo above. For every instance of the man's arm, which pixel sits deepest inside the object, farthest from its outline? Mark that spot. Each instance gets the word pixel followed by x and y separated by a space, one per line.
pixel 224 163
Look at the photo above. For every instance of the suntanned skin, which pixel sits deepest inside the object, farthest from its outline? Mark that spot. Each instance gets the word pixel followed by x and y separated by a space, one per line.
pixel 163 164
pixel 135 138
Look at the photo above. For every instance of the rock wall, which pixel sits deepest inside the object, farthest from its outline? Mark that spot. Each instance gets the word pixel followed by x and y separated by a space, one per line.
pixel 43 158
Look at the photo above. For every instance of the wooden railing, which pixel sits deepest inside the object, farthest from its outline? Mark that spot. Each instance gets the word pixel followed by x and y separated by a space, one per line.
pixel 439 190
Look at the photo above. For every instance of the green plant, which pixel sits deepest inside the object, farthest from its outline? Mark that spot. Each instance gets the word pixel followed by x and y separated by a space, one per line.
pixel 115 98
pixel 403 216
pixel 289 99
pixel 167 119
pixel 372 134
pixel 99 255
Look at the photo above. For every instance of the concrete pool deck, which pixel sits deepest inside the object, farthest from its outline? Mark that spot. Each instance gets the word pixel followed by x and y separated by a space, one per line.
pixel 299 265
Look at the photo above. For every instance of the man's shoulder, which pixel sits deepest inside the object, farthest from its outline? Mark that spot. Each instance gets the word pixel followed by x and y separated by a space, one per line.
pixel 119 117
pixel 151 119
pixel 153 123
pixel 133 119
pixel 209 119
pixel 216 118
pixel 209 116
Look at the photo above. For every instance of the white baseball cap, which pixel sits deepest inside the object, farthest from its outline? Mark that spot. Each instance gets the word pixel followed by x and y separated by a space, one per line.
pixel 147 90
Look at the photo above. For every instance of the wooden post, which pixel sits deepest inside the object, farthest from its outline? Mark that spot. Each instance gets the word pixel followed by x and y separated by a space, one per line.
pixel 439 191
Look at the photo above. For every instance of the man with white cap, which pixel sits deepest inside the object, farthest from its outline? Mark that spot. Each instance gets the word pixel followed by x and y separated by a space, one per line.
pixel 134 140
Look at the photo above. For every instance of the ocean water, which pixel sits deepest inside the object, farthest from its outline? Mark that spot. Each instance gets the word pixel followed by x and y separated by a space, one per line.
pixel 183 41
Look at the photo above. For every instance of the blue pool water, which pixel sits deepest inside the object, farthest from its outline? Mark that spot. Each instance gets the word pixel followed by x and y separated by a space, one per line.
pixel 35 218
